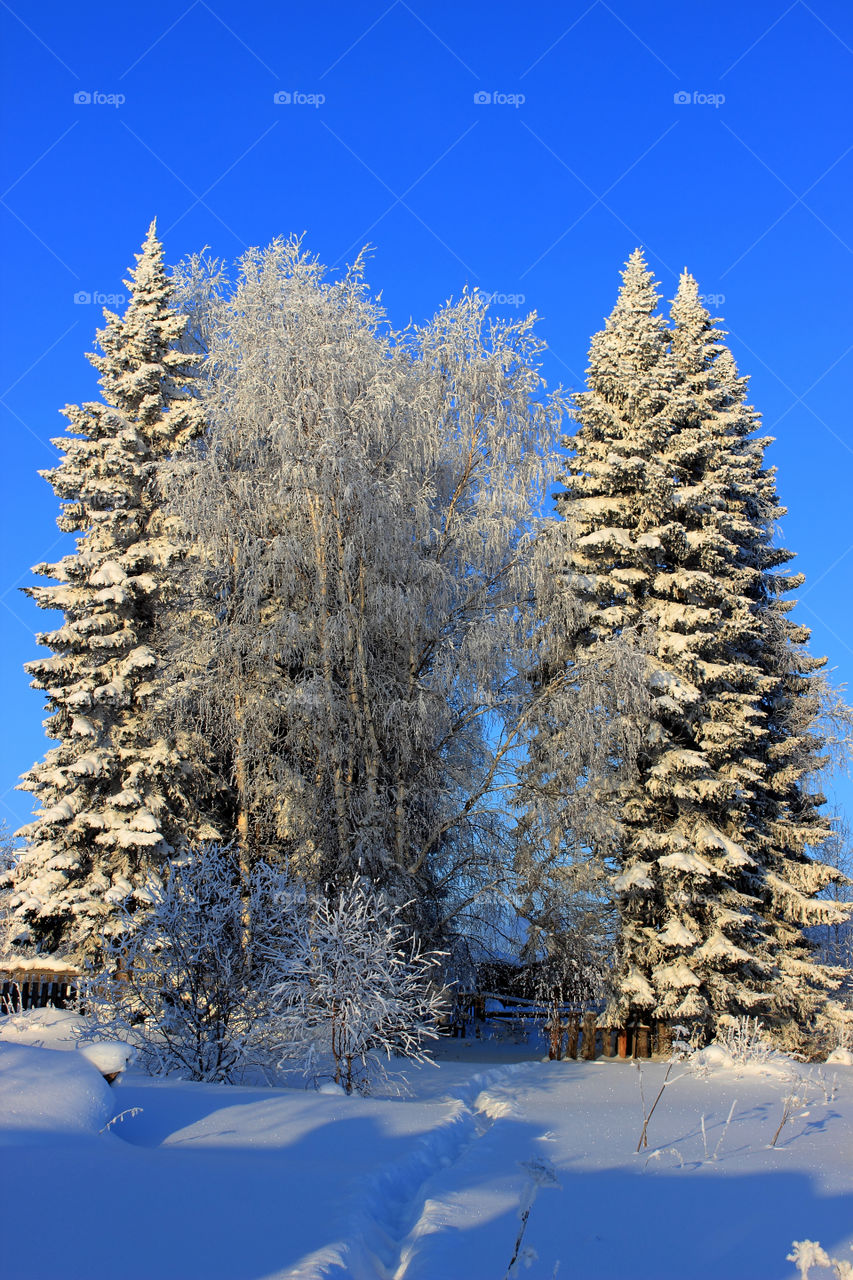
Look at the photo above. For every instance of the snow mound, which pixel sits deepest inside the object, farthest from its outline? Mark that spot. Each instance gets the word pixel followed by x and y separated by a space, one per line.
pixel 45 1028
pixel 62 1029
pixel 841 1057
pixel 50 1092
pixel 109 1056
pixel 716 1057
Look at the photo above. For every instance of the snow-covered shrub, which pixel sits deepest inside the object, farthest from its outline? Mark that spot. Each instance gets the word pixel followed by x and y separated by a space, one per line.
pixel 832 1037
pixel 741 1045
pixel 809 1253
pixel 354 986
pixel 745 1041
pixel 188 982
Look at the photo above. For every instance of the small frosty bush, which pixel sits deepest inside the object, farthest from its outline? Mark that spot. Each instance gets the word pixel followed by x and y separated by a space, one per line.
pixel 355 987
pixel 187 981
pixel 741 1045
pixel 745 1042
pixel 809 1253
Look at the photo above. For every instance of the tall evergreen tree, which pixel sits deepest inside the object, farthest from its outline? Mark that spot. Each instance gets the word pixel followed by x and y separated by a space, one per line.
pixel 782 822
pixel 115 793
pixel 668 540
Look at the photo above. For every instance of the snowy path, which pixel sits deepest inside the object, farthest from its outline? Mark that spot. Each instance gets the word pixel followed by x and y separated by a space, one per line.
pixel 391 1211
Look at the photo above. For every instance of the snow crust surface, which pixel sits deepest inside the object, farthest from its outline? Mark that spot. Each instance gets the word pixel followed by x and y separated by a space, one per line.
pixel 207 1182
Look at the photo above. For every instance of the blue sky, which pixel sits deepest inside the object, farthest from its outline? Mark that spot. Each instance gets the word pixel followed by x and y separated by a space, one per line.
pixel 524 149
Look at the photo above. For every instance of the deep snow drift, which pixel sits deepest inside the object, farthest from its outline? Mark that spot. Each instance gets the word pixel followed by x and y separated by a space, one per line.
pixel 203 1182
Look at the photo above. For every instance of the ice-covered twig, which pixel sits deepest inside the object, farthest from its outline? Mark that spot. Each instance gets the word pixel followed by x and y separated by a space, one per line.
pixel 792 1107
pixel 725 1130
pixel 541 1173
pixel 644 1142
pixel 122 1115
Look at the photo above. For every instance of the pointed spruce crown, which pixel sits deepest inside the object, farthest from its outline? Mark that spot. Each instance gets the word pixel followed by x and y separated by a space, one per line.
pixel 149 274
pixel 639 291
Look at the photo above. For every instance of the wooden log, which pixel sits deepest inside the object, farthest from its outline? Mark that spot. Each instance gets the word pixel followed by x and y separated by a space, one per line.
pixel 664 1039
pixel 588 1037
pixel 573 1025
pixel 607 1042
pixel 643 1042
pixel 622 1042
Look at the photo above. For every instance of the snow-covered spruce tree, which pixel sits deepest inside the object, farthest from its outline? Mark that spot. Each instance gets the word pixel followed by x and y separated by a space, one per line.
pixel 590 699
pixel 116 795
pixel 781 824
pixel 668 539
pixel 359 510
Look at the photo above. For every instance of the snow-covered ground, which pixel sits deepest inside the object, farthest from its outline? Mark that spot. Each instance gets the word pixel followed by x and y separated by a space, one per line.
pixel 204 1182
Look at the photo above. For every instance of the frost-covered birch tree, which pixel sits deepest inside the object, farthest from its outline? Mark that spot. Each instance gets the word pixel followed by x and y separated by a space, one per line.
pixel 116 793
pixel 361 511
pixel 667 547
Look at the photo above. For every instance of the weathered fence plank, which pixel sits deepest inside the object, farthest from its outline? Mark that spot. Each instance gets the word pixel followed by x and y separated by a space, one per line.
pixel 36 989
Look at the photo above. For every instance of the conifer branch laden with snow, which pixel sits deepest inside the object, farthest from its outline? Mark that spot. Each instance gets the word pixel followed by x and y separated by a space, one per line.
pixel 115 794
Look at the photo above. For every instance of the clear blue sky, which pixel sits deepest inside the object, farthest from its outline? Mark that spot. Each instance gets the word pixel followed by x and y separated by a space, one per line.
pixel 544 198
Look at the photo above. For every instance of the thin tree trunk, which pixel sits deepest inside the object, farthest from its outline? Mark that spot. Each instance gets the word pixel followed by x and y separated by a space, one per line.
pixel 372 762
pixel 328 679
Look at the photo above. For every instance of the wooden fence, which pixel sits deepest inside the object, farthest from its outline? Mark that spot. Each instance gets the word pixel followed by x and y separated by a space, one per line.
pixel 37 988
pixel 580 1034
